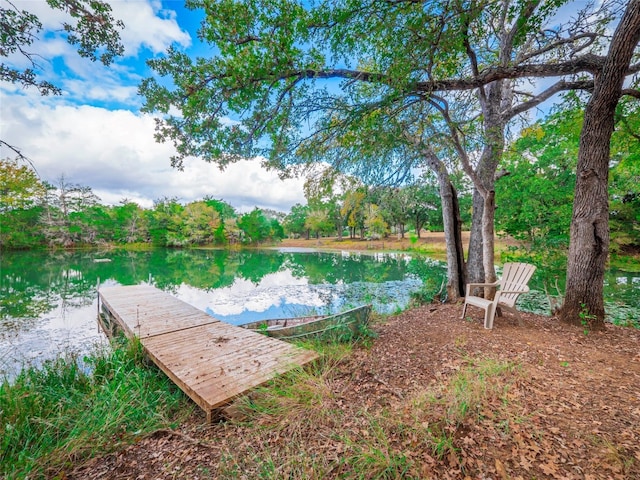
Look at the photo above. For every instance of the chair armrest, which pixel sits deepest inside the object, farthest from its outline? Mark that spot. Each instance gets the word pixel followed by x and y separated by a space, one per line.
pixel 470 286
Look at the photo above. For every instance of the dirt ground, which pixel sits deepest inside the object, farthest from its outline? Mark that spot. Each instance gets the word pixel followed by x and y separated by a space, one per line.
pixel 558 403
pixel 431 239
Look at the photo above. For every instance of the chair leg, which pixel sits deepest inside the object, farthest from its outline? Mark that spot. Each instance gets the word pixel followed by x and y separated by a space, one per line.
pixel 464 310
pixel 488 317
pixel 516 313
pixel 518 317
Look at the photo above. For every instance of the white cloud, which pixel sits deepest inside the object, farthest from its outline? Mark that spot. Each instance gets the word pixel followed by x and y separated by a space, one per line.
pixel 115 154
pixel 114 151
pixel 148 25
pixel 108 90
pixel 148 28
pixel 274 290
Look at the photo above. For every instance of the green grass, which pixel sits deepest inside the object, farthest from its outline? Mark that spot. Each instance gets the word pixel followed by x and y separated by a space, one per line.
pixel 58 415
pixel 295 426
pixel 628 263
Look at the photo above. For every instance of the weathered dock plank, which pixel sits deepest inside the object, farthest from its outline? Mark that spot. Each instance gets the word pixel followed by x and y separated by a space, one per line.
pixel 143 310
pixel 211 361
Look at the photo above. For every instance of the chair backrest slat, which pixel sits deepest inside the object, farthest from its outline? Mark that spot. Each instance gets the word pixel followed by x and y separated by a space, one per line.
pixel 515 276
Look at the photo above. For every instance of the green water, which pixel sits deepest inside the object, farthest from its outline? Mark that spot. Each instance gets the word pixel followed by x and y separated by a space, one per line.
pixel 621 294
pixel 48 300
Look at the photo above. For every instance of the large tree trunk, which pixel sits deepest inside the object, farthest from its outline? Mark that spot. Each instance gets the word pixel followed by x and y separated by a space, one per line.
pixel 453 238
pixel 475 269
pixel 452 229
pixel 494 127
pixel 459 246
pixel 488 243
pixel 481 264
pixel 589 243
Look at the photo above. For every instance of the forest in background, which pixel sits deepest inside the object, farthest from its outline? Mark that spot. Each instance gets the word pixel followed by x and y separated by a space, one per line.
pixel 534 203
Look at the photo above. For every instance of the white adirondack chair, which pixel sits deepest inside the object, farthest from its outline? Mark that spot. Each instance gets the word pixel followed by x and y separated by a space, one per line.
pixel 514 280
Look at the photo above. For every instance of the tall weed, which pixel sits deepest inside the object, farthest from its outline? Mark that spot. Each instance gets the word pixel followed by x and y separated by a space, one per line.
pixel 61 413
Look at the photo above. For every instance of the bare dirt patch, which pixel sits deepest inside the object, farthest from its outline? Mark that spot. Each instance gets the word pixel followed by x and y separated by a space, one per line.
pixel 434 396
pixel 433 239
pixel 429 240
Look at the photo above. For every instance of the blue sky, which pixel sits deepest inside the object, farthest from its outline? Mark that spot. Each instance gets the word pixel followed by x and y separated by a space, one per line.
pixel 94 134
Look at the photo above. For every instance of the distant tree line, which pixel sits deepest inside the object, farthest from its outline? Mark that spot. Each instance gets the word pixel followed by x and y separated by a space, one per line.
pixel 365 212
pixel 534 207
pixel 36 214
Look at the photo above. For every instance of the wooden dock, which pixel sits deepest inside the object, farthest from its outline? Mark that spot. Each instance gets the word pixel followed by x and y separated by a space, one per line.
pixel 210 360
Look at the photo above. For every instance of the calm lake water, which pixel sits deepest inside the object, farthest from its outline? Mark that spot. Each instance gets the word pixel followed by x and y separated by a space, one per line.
pixel 48 300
